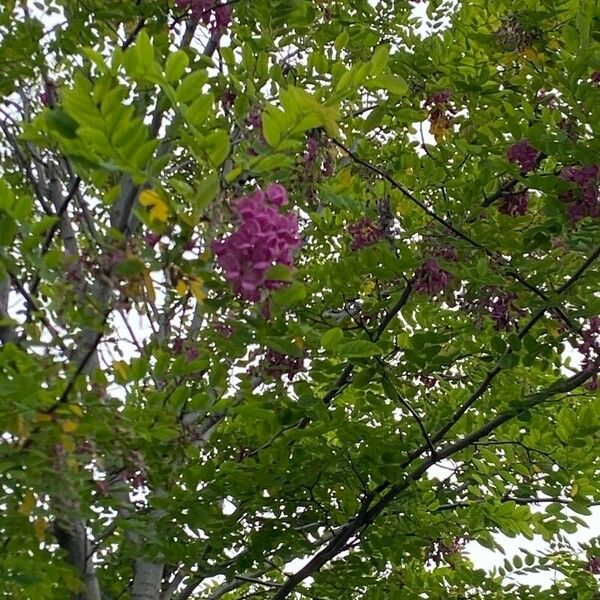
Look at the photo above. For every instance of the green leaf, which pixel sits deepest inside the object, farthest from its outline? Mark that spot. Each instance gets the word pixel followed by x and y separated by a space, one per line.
pixel 331 338
pixel 176 65
pixel 392 83
pixel 217 146
pixel 191 86
pixel 359 349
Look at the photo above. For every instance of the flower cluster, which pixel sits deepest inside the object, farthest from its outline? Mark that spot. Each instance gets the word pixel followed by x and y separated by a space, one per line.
pixel 512 35
pixel 48 96
pixel 316 154
pixel 264 237
pixel 364 233
pixel 430 278
pixel 523 154
pixel 217 16
pixel 583 202
pixel 276 365
pixel 183 347
pixel 596 77
pixel 589 347
pixel 441 112
pixel 502 310
pixel 593 565
pixel 515 204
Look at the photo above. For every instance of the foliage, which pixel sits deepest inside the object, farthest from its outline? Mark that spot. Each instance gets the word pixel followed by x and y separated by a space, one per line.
pixel 389 353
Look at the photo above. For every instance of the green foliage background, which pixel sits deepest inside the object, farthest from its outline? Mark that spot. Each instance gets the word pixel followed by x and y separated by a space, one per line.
pixel 143 455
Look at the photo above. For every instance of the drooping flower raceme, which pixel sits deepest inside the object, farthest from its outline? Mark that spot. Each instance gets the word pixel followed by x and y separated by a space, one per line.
pixel 364 233
pixel 263 238
pixel 585 201
pixel 523 154
pixel 515 204
pixel 589 348
pixel 208 11
pixel 431 278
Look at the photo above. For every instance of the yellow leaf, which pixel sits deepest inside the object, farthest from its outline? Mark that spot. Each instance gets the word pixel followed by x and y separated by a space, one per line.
pixel 181 288
pixel 159 210
pixel 120 369
pixel 206 255
pixel 345 177
pixel 534 56
pixel 22 426
pixel 67 443
pixel 28 503
pixel 368 287
pixel 43 417
pixel 76 409
pixel 197 289
pixel 69 426
pixel 150 293
pixel 39 527
pixel 299 342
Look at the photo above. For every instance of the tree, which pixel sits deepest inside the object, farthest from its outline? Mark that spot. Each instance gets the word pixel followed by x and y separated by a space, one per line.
pixel 268 268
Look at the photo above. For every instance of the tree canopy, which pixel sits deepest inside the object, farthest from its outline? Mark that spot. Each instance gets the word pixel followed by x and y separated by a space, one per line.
pixel 298 297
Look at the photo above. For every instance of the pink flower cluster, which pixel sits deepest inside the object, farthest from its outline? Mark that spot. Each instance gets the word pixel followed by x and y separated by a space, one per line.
pixel 430 278
pixel 515 204
pixel 584 201
pixel 523 154
pixel 264 237
pixel 589 347
pixel 218 16
pixel 593 565
pixel 502 310
pixel 277 365
pixel 364 233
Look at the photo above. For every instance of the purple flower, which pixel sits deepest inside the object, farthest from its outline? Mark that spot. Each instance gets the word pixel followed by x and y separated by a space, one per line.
pixel 312 148
pixel 515 204
pixel 430 278
pixel 439 97
pixel 263 238
pixel 523 154
pixel 364 233
pixel 593 565
pixel 217 16
pixel 48 96
pixel 584 201
pixel 276 195
pixel 277 365
pixel 152 239
pixel 596 76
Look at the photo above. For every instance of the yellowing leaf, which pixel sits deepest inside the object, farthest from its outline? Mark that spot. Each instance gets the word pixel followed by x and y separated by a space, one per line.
pixel 67 443
pixel 345 177
pixel 206 255
pixel 28 503
pixel 39 528
pixel 69 426
pixel 197 289
pixel 76 409
pixel 181 288
pixel 43 418
pixel 368 287
pixel 120 369
pixel 149 284
pixel 159 209
pixel 534 56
